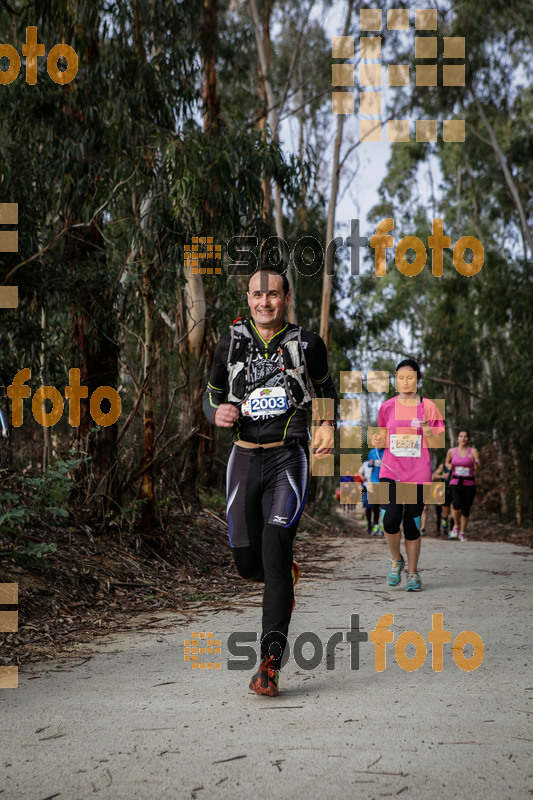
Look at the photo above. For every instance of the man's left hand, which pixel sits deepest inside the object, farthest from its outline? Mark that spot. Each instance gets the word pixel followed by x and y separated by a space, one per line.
pixel 323 440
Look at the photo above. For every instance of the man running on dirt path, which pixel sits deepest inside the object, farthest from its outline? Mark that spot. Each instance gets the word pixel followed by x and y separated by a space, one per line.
pixel 268 369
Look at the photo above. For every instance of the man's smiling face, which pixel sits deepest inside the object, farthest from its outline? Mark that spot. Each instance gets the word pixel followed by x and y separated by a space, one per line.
pixel 267 300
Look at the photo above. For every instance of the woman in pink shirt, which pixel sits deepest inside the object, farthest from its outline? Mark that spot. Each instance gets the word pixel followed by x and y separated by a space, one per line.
pixel 464 463
pixel 413 424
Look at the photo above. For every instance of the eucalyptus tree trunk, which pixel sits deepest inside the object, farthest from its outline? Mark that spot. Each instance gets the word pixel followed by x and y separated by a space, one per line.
pixel 96 356
pixel 263 41
pixel 147 477
pixel 511 185
pixel 47 432
pixel 327 282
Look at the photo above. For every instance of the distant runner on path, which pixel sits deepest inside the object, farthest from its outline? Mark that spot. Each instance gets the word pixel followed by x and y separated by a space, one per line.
pixel 375 457
pixel 463 461
pixel 412 424
pixel 268 369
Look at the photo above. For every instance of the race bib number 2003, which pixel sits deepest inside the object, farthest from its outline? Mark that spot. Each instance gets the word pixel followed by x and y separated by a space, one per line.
pixel 265 402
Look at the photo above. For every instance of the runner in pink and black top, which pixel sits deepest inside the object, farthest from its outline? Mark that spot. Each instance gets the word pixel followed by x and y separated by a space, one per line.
pixel 463 461
pixel 413 424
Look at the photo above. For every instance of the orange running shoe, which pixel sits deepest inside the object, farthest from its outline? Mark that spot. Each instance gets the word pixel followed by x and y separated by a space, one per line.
pixel 265 680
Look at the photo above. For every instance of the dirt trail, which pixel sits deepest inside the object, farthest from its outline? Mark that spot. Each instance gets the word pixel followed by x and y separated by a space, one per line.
pixel 134 720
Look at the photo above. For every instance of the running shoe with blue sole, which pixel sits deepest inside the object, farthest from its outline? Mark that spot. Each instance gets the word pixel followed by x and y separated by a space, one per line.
pixel 394 577
pixel 414 584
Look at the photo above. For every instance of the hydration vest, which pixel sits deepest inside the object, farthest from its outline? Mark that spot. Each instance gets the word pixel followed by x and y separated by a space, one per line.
pixel 291 363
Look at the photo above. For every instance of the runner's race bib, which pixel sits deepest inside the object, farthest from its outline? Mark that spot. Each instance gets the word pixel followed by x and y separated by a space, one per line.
pixel 269 402
pixel 406 445
pixel 462 472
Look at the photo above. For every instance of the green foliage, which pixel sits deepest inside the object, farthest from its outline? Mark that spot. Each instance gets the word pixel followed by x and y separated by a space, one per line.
pixel 49 493
pixel 39 500
pixel 11 516
pixel 38 550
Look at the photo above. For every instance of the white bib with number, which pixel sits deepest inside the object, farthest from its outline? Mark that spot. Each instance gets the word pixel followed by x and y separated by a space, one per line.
pixel 406 445
pixel 269 402
pixel 462 472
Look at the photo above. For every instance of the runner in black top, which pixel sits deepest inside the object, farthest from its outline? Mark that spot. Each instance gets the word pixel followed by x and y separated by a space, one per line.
pixel 267 368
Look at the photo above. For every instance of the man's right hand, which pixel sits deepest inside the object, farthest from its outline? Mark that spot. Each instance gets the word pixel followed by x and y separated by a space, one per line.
pixel 225 415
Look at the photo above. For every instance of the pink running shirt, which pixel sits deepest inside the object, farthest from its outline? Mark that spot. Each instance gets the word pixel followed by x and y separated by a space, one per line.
pixel 462 466
pixel 399 463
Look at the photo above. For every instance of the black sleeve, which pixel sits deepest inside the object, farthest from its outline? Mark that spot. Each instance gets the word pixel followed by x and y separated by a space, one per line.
pixel 218 380
pixel 316 357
